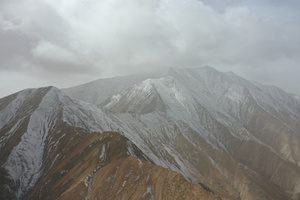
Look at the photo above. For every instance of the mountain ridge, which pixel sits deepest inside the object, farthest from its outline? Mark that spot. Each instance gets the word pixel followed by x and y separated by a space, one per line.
pixel 237 138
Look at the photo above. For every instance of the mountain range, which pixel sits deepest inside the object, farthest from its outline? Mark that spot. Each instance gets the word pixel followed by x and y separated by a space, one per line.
pixel 188 133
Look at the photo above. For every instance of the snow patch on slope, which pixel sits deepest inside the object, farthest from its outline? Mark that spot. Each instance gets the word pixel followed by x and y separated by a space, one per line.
pixel 24 163
pixel 83 115
pixel 7 113
pixel 98 91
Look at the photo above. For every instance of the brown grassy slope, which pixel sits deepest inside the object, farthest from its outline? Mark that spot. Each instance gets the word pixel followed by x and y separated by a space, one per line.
pixel 84 173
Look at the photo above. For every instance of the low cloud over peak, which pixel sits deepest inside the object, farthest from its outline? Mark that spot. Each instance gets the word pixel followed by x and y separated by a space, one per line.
pixel 88 39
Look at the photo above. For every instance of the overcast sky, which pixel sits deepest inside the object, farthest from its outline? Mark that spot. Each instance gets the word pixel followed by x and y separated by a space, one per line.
pixel 67 43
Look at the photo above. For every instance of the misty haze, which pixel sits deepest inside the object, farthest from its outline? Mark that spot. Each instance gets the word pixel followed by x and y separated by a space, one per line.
pixel 182 99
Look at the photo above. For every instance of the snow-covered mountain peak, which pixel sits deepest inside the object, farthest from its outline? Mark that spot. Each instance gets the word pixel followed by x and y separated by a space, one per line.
pixel 21 104
pixel 141 98
pixel 219 85
pixel 144 87
pixel 180 87
pixel 34 111
pixel 28 118
pixel 205 124
pixel 96 92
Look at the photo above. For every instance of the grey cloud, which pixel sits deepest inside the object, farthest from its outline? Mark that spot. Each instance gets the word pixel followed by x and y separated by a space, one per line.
pixel 109 37
pixel 14 47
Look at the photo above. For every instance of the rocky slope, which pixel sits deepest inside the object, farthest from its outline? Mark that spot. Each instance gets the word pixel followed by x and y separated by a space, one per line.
pixel 238 138
pixel 97 91
pixel 47 152
pixel 104 168
pixel 33 122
